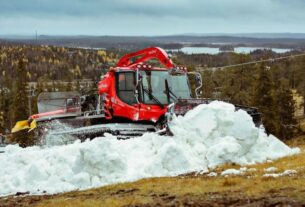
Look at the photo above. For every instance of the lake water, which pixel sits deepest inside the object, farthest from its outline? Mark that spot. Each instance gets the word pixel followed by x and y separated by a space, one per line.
pixel 214 51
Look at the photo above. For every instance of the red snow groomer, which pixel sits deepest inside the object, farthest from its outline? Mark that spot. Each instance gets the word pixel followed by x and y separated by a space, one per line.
pixel 132 98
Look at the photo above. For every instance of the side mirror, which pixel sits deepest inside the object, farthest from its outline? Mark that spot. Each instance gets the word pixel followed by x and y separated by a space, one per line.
pixel 70 102
pixel 198 80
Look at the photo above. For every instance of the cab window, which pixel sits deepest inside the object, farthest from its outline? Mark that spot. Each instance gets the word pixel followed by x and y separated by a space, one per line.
pixel 126 87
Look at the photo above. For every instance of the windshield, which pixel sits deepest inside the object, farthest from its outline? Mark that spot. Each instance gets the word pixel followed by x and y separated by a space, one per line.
pixel 154 87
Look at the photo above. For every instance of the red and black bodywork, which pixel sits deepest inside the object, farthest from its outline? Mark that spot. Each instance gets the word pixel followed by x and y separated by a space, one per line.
pixel 121 90
pixel 127 102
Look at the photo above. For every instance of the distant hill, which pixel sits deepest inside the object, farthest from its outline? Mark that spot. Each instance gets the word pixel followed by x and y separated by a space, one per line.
pixel 279 40
pixel 255 35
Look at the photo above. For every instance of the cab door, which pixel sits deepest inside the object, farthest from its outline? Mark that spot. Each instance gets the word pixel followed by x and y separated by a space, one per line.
pixel 126 105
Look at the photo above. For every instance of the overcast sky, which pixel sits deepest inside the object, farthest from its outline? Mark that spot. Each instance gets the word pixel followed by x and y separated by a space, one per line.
pixel 150 17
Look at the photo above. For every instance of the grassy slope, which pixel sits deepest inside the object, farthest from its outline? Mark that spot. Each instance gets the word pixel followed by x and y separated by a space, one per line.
pixel 191 190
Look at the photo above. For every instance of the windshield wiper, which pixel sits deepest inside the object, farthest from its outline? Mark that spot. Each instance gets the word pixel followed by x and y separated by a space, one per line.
pixel 152 97
pixel 169 92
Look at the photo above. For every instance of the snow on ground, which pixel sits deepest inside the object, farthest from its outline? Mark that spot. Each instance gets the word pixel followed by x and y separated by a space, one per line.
pixel 231 172
pixel 270 169
pixel 241 171
pixel 207 136
pixel 285 173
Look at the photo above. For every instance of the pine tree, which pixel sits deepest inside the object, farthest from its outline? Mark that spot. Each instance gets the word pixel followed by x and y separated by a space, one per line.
pixel 69 86
pixel 265 101
pixel 286 106
pixel 78 86
pixel 2 122
pixel 20 101
pixel 2 102
pixel 2 97
pixel 208 84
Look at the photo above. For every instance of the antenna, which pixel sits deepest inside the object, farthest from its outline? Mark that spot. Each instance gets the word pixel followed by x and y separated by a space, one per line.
pixel 36 36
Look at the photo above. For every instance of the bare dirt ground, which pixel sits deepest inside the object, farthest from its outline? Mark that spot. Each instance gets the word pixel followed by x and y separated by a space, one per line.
pixel 164 199
pixel 250 189
pixel 136 197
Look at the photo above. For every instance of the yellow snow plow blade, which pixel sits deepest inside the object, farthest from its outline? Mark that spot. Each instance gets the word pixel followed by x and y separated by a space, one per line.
pixel 33 125
pixel 22 125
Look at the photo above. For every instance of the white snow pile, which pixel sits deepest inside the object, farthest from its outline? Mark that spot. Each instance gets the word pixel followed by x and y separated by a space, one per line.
pixel 285 173
pixel 231 172
pixel 270 169
pixel 207 136
pixel 241 171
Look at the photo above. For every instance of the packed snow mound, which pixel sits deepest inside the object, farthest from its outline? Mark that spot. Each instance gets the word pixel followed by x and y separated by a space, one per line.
pixel 205 137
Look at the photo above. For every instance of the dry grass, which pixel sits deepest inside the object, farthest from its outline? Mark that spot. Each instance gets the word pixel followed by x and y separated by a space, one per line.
pixel 156 191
